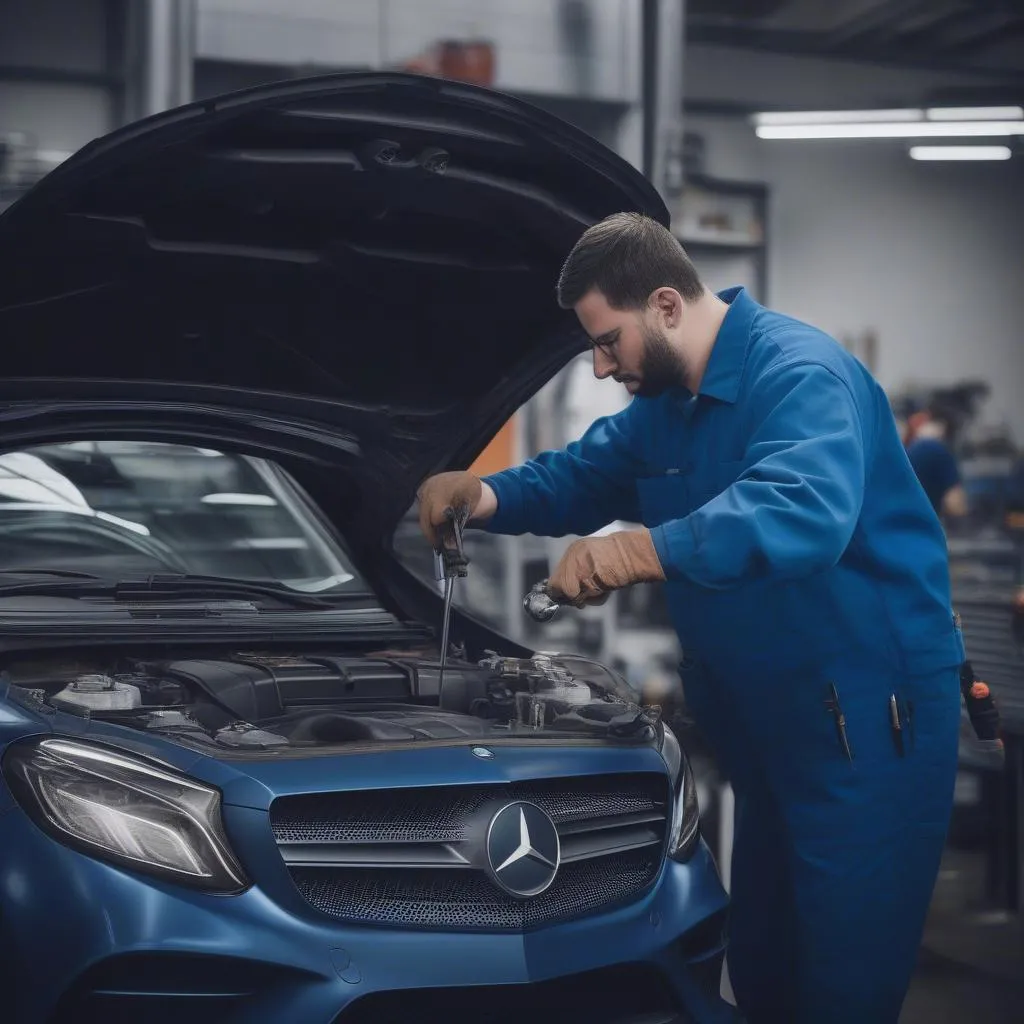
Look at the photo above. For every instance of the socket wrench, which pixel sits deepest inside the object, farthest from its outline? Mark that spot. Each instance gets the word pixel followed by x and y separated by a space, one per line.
pixel 539 604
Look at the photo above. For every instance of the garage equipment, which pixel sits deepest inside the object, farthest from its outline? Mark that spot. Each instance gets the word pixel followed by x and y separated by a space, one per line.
pixel 450 563
pixel 539 604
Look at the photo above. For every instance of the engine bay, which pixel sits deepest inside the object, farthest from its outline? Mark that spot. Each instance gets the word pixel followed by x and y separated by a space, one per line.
pixel 262 702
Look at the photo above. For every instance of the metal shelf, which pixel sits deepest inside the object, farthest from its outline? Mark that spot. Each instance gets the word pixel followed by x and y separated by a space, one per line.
pixel 718 244
pixel 728 242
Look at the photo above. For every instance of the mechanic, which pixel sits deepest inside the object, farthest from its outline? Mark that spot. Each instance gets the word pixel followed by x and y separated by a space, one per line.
pixel 807 578
pixel 929 441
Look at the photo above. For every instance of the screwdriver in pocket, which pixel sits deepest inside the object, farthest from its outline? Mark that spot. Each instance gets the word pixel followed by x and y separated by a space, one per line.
pixel 896 724
pixel 833 705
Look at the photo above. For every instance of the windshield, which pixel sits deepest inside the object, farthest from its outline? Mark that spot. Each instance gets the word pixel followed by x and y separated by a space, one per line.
pixel 120 508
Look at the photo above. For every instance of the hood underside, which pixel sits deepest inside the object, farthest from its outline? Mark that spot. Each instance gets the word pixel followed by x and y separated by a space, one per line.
pixel 355 268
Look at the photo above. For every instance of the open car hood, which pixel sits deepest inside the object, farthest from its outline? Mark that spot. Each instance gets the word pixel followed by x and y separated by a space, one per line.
pixel 353 275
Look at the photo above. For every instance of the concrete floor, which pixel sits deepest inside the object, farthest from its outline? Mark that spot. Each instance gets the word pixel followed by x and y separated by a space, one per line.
pixel 948 993
pixel 971 967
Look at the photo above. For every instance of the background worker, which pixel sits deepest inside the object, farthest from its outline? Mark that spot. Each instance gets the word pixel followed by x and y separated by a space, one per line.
pixel 807 579
pixel 930 437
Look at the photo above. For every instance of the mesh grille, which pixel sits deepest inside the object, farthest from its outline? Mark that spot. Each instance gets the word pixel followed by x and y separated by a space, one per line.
pixel 439 814
pixel 464 900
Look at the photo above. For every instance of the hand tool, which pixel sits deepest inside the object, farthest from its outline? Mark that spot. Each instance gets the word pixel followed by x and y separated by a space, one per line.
pixel 895 724
pixel 539 604
pixel 832 704
pixel 450 563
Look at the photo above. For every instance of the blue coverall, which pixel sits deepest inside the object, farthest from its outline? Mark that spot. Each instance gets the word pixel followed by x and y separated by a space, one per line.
pixel 800 552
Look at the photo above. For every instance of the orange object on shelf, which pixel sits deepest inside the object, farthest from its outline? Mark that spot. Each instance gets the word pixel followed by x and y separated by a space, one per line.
pixel 499 454
pixel 470 60
pixel 467 61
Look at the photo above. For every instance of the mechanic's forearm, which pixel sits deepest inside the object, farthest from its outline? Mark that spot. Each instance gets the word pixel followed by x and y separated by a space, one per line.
pixel 576 490
pixel 549 497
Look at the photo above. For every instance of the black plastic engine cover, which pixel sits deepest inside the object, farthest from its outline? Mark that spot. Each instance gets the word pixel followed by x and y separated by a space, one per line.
pixel 256 687
pixel 250 693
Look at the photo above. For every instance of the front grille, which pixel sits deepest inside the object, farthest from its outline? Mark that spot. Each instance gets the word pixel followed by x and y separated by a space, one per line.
pixel 413 857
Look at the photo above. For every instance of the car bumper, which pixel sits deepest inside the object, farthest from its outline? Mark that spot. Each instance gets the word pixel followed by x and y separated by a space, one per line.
pixel 82 939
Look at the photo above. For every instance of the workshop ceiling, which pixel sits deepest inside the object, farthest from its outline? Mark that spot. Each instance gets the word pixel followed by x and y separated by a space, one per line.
pixel 985 36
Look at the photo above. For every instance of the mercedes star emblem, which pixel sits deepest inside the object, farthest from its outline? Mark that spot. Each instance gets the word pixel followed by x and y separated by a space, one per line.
pixel 523 851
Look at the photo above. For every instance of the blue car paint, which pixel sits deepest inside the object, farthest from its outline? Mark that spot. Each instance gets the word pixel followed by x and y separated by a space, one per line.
pixel 61 911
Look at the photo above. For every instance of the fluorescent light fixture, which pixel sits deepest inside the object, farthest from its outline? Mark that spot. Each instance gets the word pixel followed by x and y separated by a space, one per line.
pixel 835 116
pixel 975 113
pixel 898 123
pixel 960 153
pixel 891 130
pixel 886 116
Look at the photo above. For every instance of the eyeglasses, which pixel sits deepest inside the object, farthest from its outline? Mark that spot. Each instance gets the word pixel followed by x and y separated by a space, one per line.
pixel 605 344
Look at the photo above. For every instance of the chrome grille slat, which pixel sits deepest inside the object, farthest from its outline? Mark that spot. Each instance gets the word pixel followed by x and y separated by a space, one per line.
pixel 439 814
pixel 602 824
pixel 373 855
pixel 584 846
pixel 410 857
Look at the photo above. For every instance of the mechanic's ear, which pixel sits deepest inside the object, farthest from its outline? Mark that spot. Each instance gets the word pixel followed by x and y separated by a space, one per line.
pixel 667 304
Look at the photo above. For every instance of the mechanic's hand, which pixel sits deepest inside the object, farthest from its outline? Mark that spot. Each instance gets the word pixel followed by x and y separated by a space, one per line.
pixel 593 567
pixel 442 492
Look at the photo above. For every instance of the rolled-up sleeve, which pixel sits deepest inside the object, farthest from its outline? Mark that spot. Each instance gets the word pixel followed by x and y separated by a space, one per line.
pixel 795 505
pixel 577 490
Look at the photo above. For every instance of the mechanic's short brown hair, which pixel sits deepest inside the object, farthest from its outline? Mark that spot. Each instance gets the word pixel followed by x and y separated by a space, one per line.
pixel 626 257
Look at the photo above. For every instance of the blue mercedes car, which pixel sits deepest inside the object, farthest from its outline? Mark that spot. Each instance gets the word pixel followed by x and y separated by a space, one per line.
pixel 234 784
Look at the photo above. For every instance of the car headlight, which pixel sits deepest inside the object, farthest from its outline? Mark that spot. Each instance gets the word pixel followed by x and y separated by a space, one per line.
pixel 684 829
pixel 121 809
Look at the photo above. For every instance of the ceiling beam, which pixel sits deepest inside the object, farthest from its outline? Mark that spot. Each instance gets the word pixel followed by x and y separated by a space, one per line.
pixel 994 30
pixel 785 42
pixel 876 22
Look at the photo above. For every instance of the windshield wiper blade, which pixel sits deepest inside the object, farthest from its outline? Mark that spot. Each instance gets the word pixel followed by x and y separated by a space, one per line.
pixel 183 585
pixel 171 586
pixel 71 574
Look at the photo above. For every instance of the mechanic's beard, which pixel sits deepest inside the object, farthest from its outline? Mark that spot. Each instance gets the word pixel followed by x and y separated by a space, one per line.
pixel 661 367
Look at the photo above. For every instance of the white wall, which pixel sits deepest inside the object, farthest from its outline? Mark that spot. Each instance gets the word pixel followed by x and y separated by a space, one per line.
pixel 860 236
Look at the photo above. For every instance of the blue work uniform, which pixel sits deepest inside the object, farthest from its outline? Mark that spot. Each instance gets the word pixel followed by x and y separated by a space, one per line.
pixel 801 553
